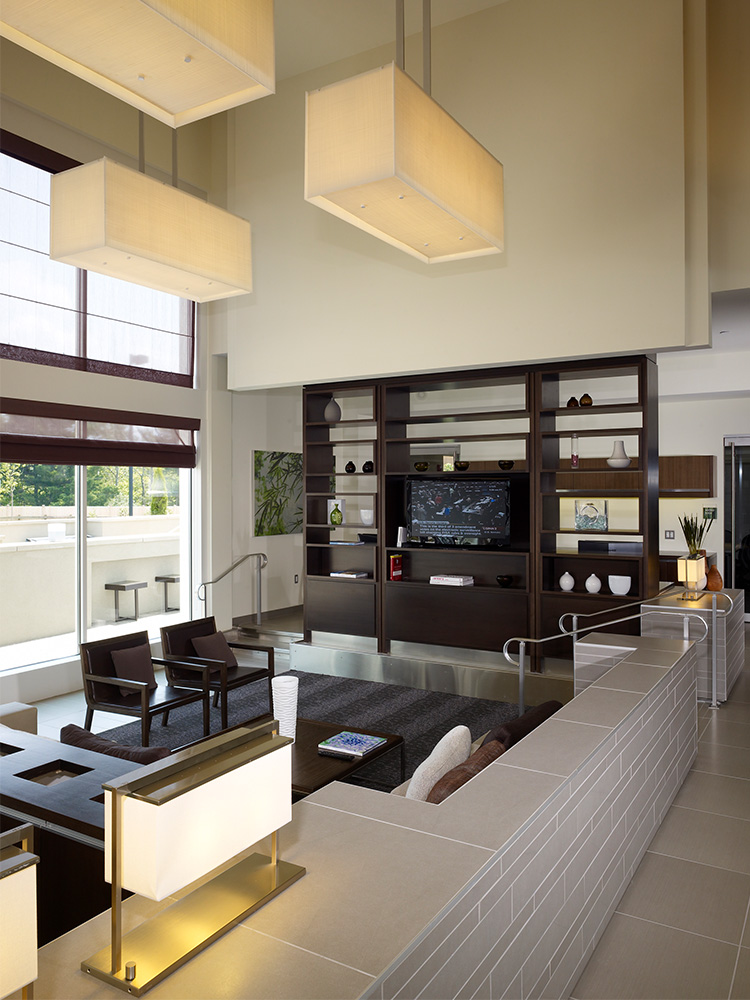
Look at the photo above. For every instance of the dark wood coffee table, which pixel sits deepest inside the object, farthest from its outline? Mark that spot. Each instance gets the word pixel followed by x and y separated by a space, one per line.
pixel 311 770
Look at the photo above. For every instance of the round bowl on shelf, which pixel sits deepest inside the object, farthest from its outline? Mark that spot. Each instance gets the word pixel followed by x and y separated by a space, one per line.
pixel 504 581
pixel 505 464
pixel 462 466
pixel 421 466
pixel 619 584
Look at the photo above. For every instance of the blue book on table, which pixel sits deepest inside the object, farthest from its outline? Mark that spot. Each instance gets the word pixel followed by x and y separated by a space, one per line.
pixel 347 744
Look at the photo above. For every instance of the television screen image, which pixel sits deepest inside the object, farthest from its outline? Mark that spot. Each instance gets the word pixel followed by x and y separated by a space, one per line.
pixel 460 511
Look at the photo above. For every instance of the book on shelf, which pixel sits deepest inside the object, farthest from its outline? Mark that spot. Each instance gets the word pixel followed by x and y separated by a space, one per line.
pixel 348 573
pixel 453 581
pixel 333 542
pixel 349 744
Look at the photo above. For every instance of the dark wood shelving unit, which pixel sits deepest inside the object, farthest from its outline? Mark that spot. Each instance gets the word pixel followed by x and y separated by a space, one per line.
pixel 486 417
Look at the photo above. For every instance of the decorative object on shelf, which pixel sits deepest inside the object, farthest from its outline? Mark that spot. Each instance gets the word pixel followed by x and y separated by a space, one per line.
pixel 332 412
pixel 395 567
pixel 618 459
pixel 586 400
pixel 462 466
pixel 421 466
pixel 691 570
pixel 449 463
pixel 366 516
pixel 368 467
pixel 566 581
pixel 336 512
pixel 591 515
pixel 350 467
pixel 713 579
pixel 694 531
pixel 619 585
pixel 572 402
pixel 504 580
pixel 593 584
pixel 574 451
pixel 285 691
pixel 401 537
pixel 505 464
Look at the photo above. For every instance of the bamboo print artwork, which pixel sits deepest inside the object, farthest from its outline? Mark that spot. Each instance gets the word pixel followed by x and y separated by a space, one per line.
pixel 278 493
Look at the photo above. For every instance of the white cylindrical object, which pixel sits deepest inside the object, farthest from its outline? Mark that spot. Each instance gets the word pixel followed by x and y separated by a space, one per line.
pixel 285 692
pixel 401 539
pixel 366 516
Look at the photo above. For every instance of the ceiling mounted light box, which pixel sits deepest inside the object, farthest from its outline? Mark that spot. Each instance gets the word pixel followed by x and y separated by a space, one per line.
pixel 108 218
pixel 381 154
pixel 177 60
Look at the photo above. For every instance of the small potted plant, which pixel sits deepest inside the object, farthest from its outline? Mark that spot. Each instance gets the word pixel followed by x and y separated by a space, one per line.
pixel 694 532
pixel 691 571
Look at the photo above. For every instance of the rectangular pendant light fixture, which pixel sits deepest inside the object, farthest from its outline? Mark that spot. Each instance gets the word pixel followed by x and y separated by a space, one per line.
pixel 108 218
pixel 381 154
pixel 177 60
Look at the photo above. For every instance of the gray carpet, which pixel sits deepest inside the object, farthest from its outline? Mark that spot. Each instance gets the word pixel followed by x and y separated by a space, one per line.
pixel 421 717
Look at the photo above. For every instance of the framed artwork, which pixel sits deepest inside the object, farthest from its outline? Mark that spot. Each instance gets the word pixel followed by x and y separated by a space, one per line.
pixel 591 515
pixel 278 492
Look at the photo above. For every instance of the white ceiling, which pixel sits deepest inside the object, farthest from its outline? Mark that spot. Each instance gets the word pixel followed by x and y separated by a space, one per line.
pixel 312 33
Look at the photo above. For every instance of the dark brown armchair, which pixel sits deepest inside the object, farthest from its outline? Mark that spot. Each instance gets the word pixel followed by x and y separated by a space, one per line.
pixel 118 676
pixel 199 640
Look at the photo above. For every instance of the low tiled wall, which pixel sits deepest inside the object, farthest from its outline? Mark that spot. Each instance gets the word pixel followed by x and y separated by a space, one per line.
pixel 528 922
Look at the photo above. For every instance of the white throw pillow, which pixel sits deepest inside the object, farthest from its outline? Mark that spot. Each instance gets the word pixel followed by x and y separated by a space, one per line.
pixel 453 749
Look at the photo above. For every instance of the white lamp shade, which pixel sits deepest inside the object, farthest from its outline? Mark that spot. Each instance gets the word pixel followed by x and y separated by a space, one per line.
pixel 691 569
pixel 108 218
pixel 165 847
pixel 177 60
pixel 18 954
pixel 384 156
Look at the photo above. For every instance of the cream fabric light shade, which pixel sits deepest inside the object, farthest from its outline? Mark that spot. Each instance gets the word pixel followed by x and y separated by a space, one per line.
pixel 384 156
pixel 18 934
pixel 165 847
pixel 177 60
pixel 108 218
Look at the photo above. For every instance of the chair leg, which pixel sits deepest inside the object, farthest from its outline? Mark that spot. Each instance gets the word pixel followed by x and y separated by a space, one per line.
pixel 224 709
pixel 216 698
pixel 165 718
pixel 206 715
pixel 89 719
pixel 145 729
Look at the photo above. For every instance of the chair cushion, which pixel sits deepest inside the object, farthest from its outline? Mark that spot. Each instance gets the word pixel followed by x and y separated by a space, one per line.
pixel 76 737
pixel 449 751
pixel 460 774
pixel 134 664
pixel 509 733
pixel 214 647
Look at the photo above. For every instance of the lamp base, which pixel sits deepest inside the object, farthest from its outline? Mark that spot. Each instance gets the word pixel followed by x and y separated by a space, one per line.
pixel 165 942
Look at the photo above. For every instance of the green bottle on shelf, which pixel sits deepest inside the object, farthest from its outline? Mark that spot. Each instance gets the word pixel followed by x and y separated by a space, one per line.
pixel 336 516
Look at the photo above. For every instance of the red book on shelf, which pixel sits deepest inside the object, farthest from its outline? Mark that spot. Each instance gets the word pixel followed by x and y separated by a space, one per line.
pixel 396 567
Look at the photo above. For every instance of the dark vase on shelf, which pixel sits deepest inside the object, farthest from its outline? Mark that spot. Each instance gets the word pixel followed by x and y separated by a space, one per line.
pixel 572 402
pixel 586 400
pixel 350 467
pixel 368 467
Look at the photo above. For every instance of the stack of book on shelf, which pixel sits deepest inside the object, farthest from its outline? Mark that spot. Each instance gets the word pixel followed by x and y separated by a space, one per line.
pixel 453 581
pixel 348 572
pixel 348 744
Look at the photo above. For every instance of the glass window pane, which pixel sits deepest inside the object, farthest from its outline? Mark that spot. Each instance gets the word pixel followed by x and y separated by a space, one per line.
pixel 134 529
pixel 37 563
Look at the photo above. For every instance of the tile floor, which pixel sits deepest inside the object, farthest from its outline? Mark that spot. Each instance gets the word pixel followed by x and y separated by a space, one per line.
pixel 682 929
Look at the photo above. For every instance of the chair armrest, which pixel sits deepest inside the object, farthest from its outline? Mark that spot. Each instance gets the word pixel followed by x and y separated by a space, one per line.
pixel 255 648
pixel 116 681
pixel 201 667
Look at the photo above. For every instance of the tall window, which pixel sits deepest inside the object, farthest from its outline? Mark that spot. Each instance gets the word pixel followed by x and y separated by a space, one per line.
pixel 53 313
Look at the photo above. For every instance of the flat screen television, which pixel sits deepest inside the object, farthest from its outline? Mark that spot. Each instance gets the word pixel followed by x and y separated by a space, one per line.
pixel 459 511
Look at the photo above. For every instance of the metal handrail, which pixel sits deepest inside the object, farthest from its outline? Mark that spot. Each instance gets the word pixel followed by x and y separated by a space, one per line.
pixel 521 662
pixel 620 607
pixel 262 563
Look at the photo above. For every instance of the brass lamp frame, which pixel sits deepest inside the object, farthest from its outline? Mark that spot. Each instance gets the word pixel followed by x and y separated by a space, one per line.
pixel 137 961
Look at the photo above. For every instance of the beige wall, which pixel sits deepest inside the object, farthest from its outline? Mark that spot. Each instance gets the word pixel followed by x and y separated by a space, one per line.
pixel 582 101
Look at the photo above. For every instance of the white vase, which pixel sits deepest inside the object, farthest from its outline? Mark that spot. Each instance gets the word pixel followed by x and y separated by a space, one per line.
pixel 593 584
pixel 285 690
pixel 566 582
pixel 618 459
pixel 332 412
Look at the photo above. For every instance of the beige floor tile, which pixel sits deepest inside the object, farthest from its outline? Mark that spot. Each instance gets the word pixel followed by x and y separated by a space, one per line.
pixel 729 734
pixel 733 711
pixel 689 896
pixel 718 759
pixel 708 839
pixel 636 959
pixel 741 690
pixel 716 793
pixel 741 985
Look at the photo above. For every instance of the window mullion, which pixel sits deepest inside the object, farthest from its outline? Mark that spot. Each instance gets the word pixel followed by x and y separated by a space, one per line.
pixel 82 295
pixel 81 553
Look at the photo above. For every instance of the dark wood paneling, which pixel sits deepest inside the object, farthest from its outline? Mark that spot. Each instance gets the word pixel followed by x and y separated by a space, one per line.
pixel 687 475
pixel 346 606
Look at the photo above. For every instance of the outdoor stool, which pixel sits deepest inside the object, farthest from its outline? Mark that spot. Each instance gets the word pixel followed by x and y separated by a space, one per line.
pixel 166 580
pixel 119 588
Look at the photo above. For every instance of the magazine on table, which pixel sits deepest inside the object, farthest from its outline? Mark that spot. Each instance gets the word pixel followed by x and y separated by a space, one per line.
pixel 348 744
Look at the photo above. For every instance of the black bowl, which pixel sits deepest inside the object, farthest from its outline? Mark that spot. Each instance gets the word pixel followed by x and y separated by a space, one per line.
pixel 505 464
pixel 504 581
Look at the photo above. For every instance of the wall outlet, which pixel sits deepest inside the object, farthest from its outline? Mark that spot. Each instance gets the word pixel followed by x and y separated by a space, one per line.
pixel 296 577
pixel 669 534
